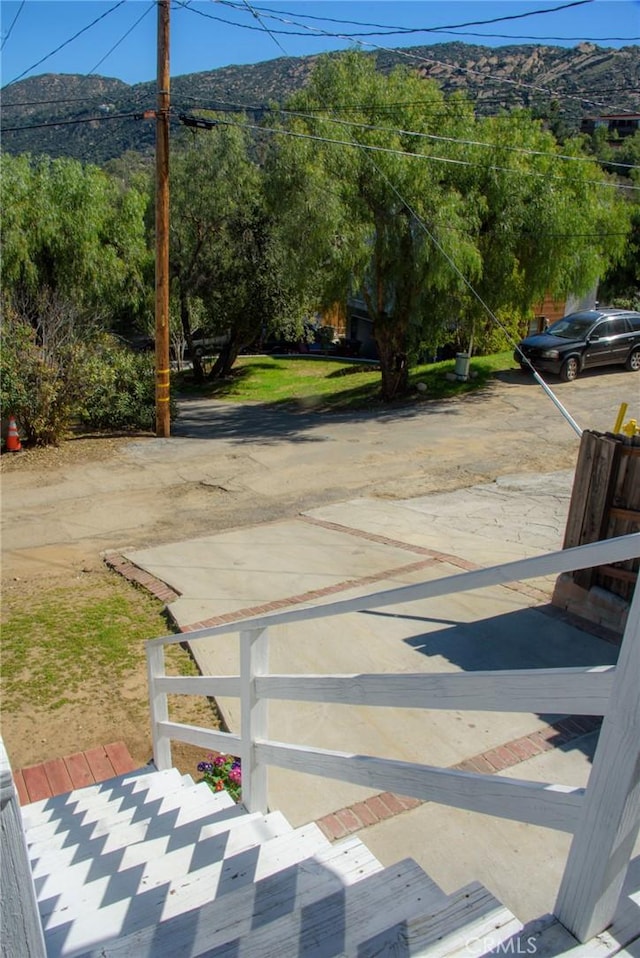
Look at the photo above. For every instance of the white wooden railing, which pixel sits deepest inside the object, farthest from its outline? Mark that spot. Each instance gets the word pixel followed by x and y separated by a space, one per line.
pixel 19 917
pixel 604 818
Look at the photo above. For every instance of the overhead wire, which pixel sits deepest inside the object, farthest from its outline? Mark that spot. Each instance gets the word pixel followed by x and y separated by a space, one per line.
pixel 272 35
pixel 12 25
pixel 407 54
pixel 89 119
pixel 451 139
pixel 123 37
pixel 455 26
pixel 66 42
pixel 408 153
pixel 140 96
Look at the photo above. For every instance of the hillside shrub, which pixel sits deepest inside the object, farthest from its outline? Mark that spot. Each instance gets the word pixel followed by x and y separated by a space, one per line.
pixel 58 372
pixel 39 383
pixel 119 389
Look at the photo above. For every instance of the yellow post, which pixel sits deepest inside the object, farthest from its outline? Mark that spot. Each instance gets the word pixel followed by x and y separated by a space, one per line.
pixel 620 419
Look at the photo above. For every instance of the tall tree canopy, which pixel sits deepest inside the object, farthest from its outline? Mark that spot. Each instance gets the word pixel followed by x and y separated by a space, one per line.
pixel 72 231
pixel 223 251
pixel 413 209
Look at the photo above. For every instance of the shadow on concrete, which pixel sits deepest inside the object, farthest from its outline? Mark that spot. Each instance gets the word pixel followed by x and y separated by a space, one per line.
pixel 522 639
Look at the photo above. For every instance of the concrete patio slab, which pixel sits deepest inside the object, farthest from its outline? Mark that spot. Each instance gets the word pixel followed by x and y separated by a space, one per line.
pixel 373 545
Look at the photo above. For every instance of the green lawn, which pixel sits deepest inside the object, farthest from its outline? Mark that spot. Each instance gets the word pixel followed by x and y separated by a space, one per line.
pixel 63 645
pixel 334 383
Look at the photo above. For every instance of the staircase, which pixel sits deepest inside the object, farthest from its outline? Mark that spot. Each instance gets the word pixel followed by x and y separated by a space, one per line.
pixel 149 864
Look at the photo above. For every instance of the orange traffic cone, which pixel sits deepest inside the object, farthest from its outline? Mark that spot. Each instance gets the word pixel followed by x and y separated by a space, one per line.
pixel 13 439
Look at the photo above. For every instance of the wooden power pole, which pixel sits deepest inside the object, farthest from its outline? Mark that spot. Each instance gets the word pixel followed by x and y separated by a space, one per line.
pixel 163 415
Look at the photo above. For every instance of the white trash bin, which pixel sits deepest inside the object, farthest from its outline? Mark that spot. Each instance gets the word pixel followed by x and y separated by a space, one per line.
pixel 462 366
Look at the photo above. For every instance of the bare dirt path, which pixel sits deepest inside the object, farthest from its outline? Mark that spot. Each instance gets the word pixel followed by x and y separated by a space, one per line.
pixel 231 465
pixel 228 466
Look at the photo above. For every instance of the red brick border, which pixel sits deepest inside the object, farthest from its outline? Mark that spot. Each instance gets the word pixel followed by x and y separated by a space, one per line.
pixel 133 573
pixel 449 558
pixel 381 807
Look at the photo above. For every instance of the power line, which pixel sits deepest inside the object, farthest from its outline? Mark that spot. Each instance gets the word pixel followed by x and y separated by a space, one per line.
pixel 539 39
pixel 451 139
pixel 66 42
pixel 265 28
pixel 316 31
pixel 203 123
pixel 123 37
pixel 89 119
pixel 73 99
pixel 13 23
pixel 409 30
pixel 430 136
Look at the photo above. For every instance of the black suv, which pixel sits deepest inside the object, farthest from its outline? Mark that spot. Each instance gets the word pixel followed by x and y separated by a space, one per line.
pixel 593 337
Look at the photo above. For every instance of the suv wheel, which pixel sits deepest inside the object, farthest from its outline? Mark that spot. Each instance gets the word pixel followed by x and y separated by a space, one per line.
pixel 633 360
pixel 570 370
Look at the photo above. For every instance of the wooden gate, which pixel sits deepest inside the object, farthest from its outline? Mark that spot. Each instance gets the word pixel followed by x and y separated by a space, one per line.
pixel 605 503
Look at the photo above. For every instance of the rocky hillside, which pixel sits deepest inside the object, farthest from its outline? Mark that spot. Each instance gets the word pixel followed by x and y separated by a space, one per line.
pixel 559 83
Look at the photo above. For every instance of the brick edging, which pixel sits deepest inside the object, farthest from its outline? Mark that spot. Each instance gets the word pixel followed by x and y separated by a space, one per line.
pixel 449 558
pixel 385 805
pixel 156 587
pixel 133 573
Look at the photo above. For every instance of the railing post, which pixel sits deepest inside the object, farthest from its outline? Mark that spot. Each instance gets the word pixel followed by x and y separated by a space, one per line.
pixel 19 915
pixel 608 827
pixel 159 704
pixel 254 661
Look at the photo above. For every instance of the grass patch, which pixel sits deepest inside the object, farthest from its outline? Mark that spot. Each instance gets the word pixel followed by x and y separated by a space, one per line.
pixel 310 382
pixel 60 645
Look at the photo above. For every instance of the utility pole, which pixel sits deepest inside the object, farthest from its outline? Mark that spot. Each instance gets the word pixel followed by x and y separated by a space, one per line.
pixel 163 416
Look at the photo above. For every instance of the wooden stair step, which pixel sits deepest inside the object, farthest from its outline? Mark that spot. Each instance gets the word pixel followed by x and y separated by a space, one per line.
pixel 116 788
pixel 93 819
pixel 119 874
pixel 471 924
pixel 342 922
pixel 103 838
pixel 81 933
pixel 296 886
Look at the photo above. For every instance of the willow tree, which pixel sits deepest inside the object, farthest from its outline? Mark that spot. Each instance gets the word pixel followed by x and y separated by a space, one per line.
pixel 549 219
pixel 381 186
pixel 71 232
pixel 353 198
pixel 224 257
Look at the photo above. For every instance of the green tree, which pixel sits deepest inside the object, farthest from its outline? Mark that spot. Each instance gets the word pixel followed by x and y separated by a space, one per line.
pixel 353 213
pixel 550 221
pixel 446 210
pixel 74 231
pixel 74 253
pixel 621 283
pixel 224 255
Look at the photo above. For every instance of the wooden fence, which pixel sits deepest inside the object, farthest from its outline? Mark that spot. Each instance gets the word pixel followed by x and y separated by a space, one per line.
pixel 605 503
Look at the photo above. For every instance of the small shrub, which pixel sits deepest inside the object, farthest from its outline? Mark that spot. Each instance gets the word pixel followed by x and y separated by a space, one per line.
pixel 119 389
pixel 39 384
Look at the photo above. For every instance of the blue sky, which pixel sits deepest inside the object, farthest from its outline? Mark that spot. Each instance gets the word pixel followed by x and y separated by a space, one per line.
pixel 122 43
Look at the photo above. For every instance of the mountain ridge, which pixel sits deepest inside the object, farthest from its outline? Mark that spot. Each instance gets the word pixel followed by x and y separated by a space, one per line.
pixel 559 83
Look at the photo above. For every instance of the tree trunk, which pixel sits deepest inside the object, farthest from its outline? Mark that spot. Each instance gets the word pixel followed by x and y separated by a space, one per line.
pixel 198 370
pixel 390 339
pixel 226 358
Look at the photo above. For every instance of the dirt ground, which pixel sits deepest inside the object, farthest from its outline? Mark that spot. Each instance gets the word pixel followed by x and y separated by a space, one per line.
pixel 227 466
